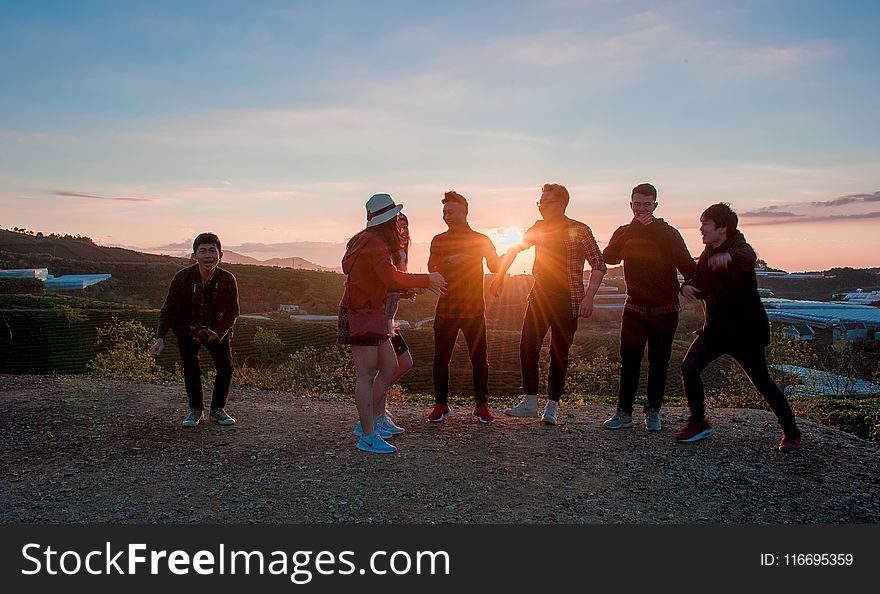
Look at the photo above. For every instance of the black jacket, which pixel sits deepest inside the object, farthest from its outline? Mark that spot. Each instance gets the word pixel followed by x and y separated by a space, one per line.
pixel 189 302
pixel 651 255
pixel 734 312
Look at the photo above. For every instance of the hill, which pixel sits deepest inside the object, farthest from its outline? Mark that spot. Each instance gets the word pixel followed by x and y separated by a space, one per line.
pixel 113 451
pixel 291 262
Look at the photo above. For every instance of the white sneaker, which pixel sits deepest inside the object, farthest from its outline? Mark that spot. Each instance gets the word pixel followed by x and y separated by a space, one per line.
pixel 358 430
pixel 550 410
pixel 527 407
pixel 383 423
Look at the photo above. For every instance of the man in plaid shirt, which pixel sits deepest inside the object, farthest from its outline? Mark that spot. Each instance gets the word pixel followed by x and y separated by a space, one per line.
pixel 557 299
pixel 458 255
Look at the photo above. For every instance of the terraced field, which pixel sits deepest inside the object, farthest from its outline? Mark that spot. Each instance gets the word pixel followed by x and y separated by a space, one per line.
pixel 62 340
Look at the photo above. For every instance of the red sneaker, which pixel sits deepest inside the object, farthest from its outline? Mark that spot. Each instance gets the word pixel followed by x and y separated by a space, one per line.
pixel 485 415
pixel 438 413
pixel 694 430
pixel 791 440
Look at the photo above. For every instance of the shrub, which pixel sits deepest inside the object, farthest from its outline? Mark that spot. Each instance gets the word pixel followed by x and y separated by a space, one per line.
pixel 124 352
pixel 322 371
pixel 595 377
pixel 268 345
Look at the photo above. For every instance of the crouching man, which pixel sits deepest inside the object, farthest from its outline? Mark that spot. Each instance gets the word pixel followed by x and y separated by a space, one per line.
pixel 201 309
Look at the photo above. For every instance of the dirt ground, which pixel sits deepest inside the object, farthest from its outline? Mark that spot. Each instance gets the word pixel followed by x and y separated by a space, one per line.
pixel 76 449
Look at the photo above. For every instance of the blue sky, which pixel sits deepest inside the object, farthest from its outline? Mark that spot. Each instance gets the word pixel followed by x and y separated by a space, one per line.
pixel 142 124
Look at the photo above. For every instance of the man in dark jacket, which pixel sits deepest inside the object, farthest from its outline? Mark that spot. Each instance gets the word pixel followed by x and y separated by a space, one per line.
pixel 736 324
pixel 653 253
pixel 458 254
pixel 201 309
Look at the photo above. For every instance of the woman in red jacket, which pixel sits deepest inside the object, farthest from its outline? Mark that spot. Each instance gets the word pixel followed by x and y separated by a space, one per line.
pixel 371 261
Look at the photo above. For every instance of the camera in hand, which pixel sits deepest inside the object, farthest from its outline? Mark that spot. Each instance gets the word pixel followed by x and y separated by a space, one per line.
pixel 200 332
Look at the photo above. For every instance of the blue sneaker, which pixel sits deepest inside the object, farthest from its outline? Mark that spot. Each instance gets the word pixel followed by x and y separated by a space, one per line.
pixel 384 434
pixel 374 443
pixel 383 423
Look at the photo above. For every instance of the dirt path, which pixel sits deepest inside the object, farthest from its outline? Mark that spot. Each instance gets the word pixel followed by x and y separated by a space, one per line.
pixel 76 449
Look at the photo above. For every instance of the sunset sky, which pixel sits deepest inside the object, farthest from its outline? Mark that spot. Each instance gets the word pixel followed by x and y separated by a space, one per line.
pixel 271 123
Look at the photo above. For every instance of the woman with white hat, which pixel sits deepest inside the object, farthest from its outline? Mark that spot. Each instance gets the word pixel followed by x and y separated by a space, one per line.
pixel 371 261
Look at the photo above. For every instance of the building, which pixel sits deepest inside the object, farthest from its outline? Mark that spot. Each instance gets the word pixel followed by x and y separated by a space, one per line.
pixel 291 310
pixel 847 321
pixel 67 282
pixel 800 332
pixel 850 331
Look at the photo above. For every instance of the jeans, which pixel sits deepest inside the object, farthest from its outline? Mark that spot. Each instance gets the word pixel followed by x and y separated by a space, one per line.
pixel 221 352
pixel 637 330
pixel 543 314
pixel 445 334
pixel 753 361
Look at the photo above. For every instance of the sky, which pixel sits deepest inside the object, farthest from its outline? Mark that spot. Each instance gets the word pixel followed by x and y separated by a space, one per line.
pixel 141 124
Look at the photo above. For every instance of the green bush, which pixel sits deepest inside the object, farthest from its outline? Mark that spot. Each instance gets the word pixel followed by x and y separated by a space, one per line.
pixel 267 345
pixel 328 370
pixel 123 351
pixel 596 377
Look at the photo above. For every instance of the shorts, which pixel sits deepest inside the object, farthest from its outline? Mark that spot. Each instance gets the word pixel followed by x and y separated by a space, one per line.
pixel 343 333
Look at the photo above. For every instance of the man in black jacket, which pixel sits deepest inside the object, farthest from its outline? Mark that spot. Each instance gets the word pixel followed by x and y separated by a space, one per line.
pixel 653 252
pixel 201 309
pixel 736 324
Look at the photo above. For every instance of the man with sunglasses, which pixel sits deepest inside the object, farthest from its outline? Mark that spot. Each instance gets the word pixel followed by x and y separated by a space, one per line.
pixel 652 252
pixel 557 298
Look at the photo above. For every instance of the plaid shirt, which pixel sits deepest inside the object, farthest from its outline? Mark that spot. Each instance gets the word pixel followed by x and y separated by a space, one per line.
pixel 578 246
pixel 464 282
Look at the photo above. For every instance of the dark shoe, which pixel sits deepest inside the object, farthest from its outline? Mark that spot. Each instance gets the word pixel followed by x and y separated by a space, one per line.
pixel 195 415
pixel 791 440
pixel 694 430
pixel 620 420
pixel 219 415
pixel 485 415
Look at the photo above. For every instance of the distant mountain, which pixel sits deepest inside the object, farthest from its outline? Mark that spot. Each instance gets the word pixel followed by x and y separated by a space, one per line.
pixel 292 262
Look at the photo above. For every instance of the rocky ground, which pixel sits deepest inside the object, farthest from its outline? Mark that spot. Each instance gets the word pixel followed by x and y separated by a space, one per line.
pixel 79 449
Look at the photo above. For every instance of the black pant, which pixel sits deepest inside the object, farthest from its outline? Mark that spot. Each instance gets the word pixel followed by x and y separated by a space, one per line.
pixel 221 352
pixel 445 334
pixel 637 330
pixel 753 361
pixel 543 314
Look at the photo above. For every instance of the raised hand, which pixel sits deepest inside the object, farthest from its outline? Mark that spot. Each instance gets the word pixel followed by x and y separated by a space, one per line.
pixel 720 261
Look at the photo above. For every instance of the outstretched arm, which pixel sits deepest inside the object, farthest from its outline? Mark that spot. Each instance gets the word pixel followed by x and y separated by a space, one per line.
pixel 504 264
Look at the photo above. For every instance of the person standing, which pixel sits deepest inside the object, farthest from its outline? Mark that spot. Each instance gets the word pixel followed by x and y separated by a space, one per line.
pixel 653 253
pixel 370 262
pixel 401 349
pixel 557 299
pixel 201 309
pixel 736 324
pixel 458 254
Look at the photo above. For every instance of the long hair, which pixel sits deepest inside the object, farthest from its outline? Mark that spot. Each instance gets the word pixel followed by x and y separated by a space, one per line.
pixel 389 233
pixel 405 238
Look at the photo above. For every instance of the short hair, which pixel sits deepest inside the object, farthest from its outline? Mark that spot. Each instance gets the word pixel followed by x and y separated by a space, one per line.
pixel 722 215
pixel 453 196
pixel 203 238
pixel 559 190
pixel 645 190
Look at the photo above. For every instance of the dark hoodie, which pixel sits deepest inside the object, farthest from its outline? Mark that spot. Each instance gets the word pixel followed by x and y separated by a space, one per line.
pixel 651 255
pixel 734 312
pixel 372 274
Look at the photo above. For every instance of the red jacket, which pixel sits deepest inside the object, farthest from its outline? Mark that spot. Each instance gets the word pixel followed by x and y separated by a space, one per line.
pixel 372 274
